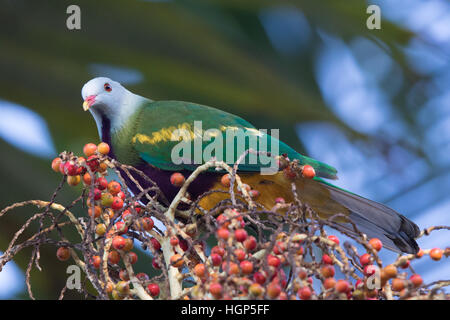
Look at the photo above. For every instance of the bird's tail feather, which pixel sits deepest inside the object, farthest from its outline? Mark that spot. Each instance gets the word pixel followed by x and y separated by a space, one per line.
pixel 377 221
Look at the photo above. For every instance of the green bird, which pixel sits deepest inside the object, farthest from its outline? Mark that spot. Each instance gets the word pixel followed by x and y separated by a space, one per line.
pixel 163 137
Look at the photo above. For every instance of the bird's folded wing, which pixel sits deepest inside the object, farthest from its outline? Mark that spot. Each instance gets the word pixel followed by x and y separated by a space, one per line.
pixel 165 129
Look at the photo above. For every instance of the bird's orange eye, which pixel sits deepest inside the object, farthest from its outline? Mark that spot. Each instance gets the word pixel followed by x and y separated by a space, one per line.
pixel 107 87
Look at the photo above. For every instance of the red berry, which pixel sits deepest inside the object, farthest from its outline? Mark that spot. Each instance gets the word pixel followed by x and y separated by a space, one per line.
pixel 280 200
pixel 96 261
pixel 240 235
pixel 97 194
pixel 177 179
pixel 121 227
pixel 223 233
pixel 155 264
pixel 101 183
pixel 113 257
pixel 174 241
pixel 376 244
pixel 405 265
pixel 305 293
pixel 147 223
pixel 93 163
pixel 326 259
pixel 246 267
pixel 118 242
pixel 216 259
pixel 123 275
pixel 334 239
pixel 132 257
pixel 122 195
pixel 184 245
pixel 63 253
pixel 273 261
pixel 218 250
pixel 142 276
pixel 155 244
pixel 89 149
pixel 215 289
pixel 416 280
pixel 308 172
pixel 55 164
pixel 153 288
pixel 259 277
pixel 250 243
pixel 240 254
pixel 364 259
pixel 369 270
pixel 70 168
pixel 117 203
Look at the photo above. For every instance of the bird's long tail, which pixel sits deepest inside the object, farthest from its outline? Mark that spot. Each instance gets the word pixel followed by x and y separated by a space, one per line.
pixel 376 220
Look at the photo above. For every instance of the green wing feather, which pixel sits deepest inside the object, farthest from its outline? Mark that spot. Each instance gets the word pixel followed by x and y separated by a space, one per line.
pixel 158 120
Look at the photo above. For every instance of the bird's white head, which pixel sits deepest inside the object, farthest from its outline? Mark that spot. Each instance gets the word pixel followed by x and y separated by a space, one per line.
pixel 106 98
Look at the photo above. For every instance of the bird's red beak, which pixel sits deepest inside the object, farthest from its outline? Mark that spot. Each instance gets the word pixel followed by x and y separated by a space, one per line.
pixel 88 102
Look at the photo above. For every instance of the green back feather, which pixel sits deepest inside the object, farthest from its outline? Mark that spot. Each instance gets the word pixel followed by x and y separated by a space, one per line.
pixel 148 135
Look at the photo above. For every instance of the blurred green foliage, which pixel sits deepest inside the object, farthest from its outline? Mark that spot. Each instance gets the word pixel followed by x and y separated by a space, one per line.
pixel 210 52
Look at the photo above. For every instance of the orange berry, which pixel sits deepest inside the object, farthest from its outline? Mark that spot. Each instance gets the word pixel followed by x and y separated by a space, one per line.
pixel 113 257
pixel 308 172
pixel 436 254
pixel 225 180
pixel 246 267
pixel 97 211
pixel 63 253
pixel 87 179
pixel 327 271
pixel 223 233
pixel 103 148
pixel 398 284
pixel 114 187
pixel 329 283
pixel 200 270
pixel 390 271
pixel 100 229
pixel 73 180
pixel 273 290
pixel 376 244
pixel 255 289
pixel 177 179
pixel 89 149
pixel 55 164
pixel 342 286
pixel 176 261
